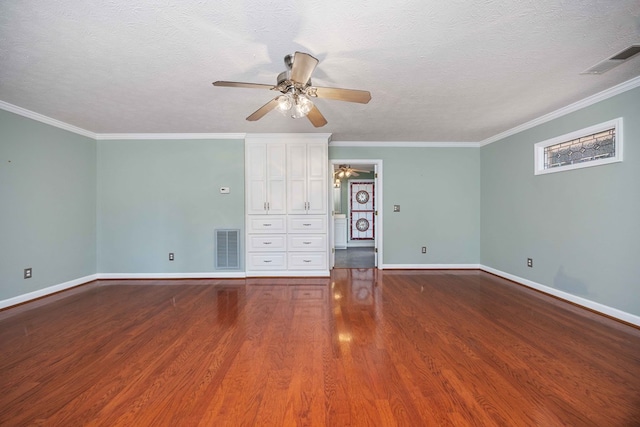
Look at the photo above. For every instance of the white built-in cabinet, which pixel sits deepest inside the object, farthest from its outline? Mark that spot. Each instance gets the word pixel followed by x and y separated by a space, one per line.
pixel 286 205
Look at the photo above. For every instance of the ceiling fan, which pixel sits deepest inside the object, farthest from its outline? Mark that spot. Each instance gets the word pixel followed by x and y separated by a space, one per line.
pixel 346 171
pixel 295 85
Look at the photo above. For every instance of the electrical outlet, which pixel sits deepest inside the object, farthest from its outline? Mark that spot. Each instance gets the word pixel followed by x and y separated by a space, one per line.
pixel 396 208
pixel 424 249
pixel 170 256
pixel 530 262
pixel 27 273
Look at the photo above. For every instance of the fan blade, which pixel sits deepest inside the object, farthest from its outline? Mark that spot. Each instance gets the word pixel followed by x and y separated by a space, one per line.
pixel 348 95
pixel 303 66
pixel 316 118
pixel 260 112
pixel 353 173
pixel 360 170
pixel 245 85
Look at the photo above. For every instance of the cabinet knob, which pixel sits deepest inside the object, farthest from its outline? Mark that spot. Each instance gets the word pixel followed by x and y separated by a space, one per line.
pixel 307 225
pixel 266 224
pixel 267 260
pixel 306 260
pixel 266 243
pixel 306 243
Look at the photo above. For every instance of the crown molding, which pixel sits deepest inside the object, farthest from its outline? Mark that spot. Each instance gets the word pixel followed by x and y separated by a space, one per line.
pixel 323 136
pixel 586 102
pixel 404 144
pixel 44 119
pixel 147 136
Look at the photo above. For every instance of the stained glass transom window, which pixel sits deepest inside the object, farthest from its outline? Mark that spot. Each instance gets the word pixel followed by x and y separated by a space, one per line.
pixel 592 147
pixel 596 145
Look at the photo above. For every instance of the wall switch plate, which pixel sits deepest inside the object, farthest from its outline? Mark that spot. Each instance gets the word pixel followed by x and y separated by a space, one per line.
pixel 530 262
pixel 424 249
pixel 225 190
pixel 170 256
pixel 27 273
pixel 396 208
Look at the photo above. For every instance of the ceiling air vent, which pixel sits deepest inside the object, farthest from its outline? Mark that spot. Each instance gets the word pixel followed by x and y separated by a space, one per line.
pixel 614 61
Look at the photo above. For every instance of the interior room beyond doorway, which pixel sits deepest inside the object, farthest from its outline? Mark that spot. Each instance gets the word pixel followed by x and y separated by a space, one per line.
pixel 355 201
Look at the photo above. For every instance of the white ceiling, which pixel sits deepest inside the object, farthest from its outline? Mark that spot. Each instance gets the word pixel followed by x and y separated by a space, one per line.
pixel 456 70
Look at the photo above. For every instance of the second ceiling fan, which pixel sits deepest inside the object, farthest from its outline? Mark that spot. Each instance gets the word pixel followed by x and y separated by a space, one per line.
pixel 296 88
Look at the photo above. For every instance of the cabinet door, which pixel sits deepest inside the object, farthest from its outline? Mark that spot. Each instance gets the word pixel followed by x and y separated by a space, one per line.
pixel 276 179
pixel 297 178
pixel 265 177
pixel 316 178
pixel 256 176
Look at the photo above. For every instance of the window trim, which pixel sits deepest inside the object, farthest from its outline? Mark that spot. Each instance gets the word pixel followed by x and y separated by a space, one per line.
pixel 540 146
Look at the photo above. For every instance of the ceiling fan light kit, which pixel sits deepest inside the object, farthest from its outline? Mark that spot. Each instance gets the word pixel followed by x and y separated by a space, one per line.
pixel 297 91
pixel 346 171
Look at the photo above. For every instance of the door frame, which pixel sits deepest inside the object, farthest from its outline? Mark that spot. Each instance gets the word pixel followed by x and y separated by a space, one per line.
pixel 378 180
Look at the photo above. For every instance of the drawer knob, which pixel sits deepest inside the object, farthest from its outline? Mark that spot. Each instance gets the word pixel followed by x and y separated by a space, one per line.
pixel 267 225
pixel 306 260
pixel 306 243
pixel 307 225
pixel 267 260
pixel 266 243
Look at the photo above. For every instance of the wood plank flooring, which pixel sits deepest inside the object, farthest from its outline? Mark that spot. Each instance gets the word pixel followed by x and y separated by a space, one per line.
pixel 364 347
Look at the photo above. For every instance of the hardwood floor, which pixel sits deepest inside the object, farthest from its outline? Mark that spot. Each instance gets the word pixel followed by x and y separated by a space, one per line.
pixel 365 347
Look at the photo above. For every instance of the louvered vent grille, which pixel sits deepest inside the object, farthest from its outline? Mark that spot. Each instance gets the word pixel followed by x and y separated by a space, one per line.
pixel 227 249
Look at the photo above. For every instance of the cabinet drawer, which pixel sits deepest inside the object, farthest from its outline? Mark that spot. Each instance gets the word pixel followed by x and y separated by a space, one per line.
pixel 267 243
pixel 307 260
pixel 307 242
pixel 266 224
pixel 307 224
pixel 266 261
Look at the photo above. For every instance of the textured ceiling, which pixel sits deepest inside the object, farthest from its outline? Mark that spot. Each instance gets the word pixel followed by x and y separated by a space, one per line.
pixel 457 70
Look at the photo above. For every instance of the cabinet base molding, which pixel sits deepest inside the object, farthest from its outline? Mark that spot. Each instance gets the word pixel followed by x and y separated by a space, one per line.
pixel 286 273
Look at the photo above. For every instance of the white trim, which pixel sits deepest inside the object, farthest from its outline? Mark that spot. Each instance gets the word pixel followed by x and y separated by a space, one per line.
pixel 289 273
pixel 44 119
pixel 360 244
pixel 404 144
pixel 431 266
pixel 586 102
pixel 47 291
pixel 134 136
pixel 601 308
pixel 539 147
pixel 321 136
pixel 208 275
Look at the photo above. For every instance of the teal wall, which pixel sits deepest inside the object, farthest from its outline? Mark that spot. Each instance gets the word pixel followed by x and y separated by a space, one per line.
pixel 438 190
pixel 71 207
pixel 581 227
pixel 47 205
pixel 161 196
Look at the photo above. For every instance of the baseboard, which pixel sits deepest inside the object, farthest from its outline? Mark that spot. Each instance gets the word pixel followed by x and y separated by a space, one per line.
pixel 356 244
pixel 46 291
pixel 207 275
pixel 601 308
pixel 430 266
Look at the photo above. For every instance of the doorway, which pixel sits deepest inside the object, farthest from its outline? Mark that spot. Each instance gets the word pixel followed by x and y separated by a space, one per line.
pixel 356 225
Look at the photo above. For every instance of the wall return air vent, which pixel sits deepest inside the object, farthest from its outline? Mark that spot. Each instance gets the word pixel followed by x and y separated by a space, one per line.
pixel 614 61
pixel 227 249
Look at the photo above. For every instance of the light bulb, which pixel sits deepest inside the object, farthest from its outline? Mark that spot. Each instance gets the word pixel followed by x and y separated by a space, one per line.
pixel 348 174
pixel 302 106
pixel 341 174
pixel 284 104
